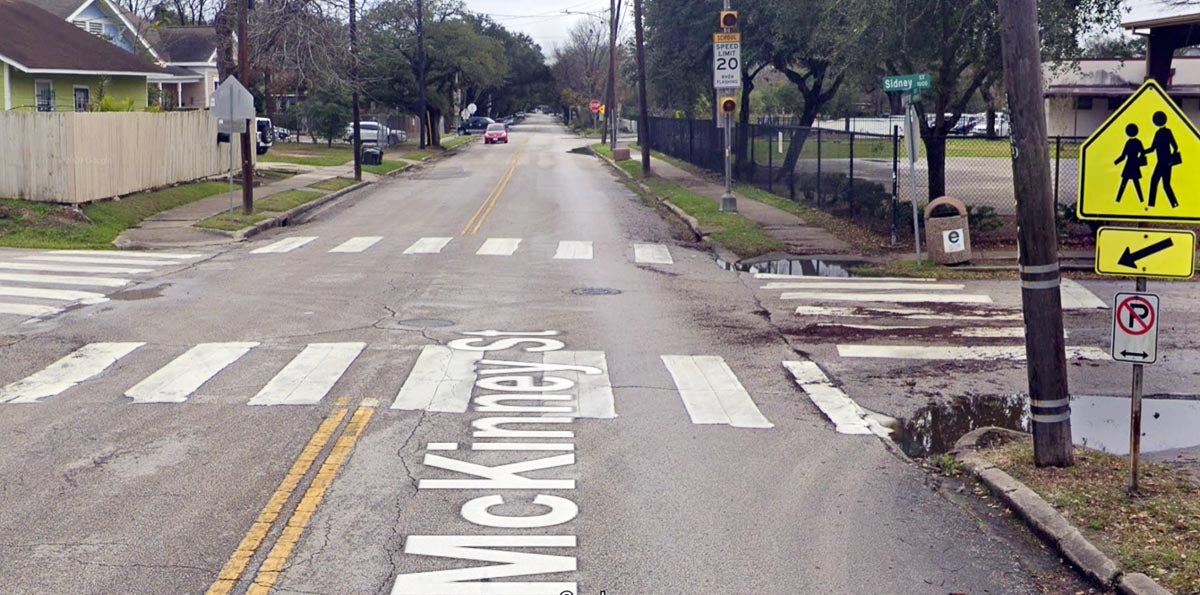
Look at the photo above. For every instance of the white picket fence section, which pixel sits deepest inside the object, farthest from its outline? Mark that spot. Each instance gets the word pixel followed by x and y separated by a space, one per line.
pixel 77 158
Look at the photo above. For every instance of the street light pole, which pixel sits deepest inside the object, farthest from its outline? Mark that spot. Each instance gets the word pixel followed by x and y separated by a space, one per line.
pixel 354 109
pixel 247 137
pixel 422 101
pixel 643 108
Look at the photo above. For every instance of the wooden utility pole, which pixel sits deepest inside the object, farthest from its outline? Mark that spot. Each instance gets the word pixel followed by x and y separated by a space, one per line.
pixel 354 109
pixel 248 142
pixel 611 109
pixel 643 107
pixel 422 100
pixel 1041 280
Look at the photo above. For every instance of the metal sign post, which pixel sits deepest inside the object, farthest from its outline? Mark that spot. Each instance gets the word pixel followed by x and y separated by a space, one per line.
pixel 232 103
pixel 727 77
pixel 911 128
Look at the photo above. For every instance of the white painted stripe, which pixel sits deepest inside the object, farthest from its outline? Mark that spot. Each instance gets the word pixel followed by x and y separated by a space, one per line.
pixel 64 295
pixel 442 446
pixel 593 392
pixel 652 254
pixel 428 246
pixel 284 246
pixel 356 245
pixel 27 309
pixel 881 286
pixel 815 278
pixel 59 268
pixel 441 380
pixel 310 376
pixel 991 333
pixel 932 352
pixel 574 251
pixel 177 380
pixel 125 253
pixel 712 393
pixel 892 298
pixel 909 313
pixel 842 411
pixel 1077 297
pixel 869 327
pixel 499 247
pixel 116 260
pixel 86 362
pixel 64 280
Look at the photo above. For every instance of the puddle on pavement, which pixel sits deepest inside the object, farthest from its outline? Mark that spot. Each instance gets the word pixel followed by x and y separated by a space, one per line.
pixel 808 267
pixel 1100 423
pixel 130 295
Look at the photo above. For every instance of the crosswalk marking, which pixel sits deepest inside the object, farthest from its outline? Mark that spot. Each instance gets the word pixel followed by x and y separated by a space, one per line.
pixel 148 255
pixel 593 392
pixel 1077 297
pixel 893 298
pixel 652 254
pixel 568 250
pixel 942 352
pixel 846 415
pixel 441 380
pixel 310 376
pixel 428 246
pixel 112 260
pixel 499 247
pixel 908 313
pixel 712 393
pixel 33 310
pixel 83 364
pixel 873 286
pixel 62 295
pixel 814 278
pixel 284 245
pixel 61 268
pixel 64 280
pixel 187 373
pixel 356 245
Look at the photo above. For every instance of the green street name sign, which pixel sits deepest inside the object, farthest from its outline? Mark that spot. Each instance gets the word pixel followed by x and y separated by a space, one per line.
pixel 906 82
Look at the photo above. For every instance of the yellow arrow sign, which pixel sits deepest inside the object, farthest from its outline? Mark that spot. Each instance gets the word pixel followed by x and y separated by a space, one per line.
pixel 1129 252
pixel 1142 164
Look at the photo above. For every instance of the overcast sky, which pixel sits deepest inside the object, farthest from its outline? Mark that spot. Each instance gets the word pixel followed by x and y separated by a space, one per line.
pixel 543 20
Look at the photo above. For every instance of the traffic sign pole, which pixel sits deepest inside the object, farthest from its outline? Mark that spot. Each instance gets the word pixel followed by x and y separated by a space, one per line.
pixel 1135 413
pixel 728 200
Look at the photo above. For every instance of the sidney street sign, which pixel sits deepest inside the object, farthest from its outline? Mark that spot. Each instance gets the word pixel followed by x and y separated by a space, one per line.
pixel 906 82
pixel 727 60
pixel 1142 164
pixel 1130 252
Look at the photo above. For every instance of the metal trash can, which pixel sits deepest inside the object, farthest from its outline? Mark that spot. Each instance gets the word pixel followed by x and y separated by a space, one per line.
pixel 947 231
pixel 372 156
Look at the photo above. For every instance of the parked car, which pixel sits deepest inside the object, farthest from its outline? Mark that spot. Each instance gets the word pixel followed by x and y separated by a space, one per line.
pixel 981 128
pixel 475 124
pixel 369 132
pixel 966 123
pixel 266 135
pixel 283 134
pixel 496 133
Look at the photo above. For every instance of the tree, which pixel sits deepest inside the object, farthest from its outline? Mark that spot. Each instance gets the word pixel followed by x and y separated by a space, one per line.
pixel 327 110
pixel 580 66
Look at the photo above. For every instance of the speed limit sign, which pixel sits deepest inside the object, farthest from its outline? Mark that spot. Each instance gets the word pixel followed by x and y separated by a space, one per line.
pixel 727 60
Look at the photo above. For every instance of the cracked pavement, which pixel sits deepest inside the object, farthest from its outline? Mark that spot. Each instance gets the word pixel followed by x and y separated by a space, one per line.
pixel 665 505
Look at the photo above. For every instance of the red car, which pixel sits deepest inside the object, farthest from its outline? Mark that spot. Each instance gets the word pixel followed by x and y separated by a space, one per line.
pixel 496 133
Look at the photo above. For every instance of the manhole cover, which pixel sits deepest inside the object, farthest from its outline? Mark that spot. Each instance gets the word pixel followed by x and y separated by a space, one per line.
pixel 596 291
pixel 416 323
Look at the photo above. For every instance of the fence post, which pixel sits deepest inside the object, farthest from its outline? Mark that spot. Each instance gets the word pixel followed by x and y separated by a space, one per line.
pixel 895 181
pixel 691 138
pixel 818 165
pixel 850 180
pixel 1057 177
pixel 770 164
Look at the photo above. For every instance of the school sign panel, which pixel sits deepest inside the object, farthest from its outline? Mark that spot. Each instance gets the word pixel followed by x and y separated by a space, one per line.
pixel 1142 164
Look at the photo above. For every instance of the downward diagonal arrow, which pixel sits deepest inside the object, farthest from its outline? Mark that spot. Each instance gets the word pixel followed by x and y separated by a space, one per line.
pixel 1130 259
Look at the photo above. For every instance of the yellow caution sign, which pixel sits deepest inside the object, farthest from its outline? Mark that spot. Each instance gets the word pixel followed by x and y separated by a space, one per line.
pixel 1131 252
pixel 727 37
pixel 1142 164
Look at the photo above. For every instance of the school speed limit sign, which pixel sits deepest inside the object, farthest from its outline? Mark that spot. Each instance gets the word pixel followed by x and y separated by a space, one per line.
pixel 727 60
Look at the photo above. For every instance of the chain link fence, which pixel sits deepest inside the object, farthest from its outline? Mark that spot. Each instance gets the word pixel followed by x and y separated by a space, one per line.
pixel 866 177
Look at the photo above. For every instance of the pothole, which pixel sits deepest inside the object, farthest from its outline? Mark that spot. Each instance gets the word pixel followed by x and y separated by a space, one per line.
pixel 596 291
pixel 1100 423
pixel 414 324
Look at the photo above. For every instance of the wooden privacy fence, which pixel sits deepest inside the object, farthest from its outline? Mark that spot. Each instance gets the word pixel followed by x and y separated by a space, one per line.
pixel 83 157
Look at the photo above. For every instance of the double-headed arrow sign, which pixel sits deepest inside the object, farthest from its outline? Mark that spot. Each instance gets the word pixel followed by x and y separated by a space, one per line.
pixel 1130 252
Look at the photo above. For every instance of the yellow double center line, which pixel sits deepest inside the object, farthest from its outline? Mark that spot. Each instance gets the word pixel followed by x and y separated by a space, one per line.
pixel 269 573
pixel 485 209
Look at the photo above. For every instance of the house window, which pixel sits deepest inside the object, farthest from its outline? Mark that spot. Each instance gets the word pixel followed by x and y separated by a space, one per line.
pixel 1083 103
pixel 44 90
pixel 83 99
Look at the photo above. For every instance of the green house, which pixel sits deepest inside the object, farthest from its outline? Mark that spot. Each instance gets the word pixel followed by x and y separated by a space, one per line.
pixel 47 64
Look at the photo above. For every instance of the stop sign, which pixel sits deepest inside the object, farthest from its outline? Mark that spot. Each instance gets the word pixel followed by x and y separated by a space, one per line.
pixel 595 106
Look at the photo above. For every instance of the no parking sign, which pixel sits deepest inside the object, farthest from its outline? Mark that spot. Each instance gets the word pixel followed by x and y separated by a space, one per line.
pixel 1135 328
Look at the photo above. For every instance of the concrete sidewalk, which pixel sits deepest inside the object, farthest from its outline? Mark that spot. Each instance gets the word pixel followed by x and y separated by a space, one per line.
pixel 800 237
pixel 175 228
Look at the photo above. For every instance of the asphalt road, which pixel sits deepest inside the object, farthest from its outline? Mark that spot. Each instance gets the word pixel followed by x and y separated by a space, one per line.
pixel 309 421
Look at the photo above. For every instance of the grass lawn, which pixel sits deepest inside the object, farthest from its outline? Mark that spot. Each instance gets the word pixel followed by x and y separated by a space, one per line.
pixel 26 224
pixel 308 154
pixel 286 201
pixel 235 223
pixel 629 166
pixel 1156 532
pixel 458 141
pixel 385 168
pixel 418 155
pixel 837 146
pixel 333 184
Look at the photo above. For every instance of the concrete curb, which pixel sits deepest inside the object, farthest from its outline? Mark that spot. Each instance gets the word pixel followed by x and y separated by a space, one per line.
pixel 285 218
pixel 687 219
pixel 1051 526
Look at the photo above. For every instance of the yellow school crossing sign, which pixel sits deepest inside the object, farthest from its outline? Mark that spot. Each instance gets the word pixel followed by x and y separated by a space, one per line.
pixel 1132 252
pixel 1142 164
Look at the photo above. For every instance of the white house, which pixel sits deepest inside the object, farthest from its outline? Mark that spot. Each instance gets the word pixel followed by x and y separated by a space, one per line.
pixel 1080 97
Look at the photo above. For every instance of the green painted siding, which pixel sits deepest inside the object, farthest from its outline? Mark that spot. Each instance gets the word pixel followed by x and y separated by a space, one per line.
pixel 119 87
